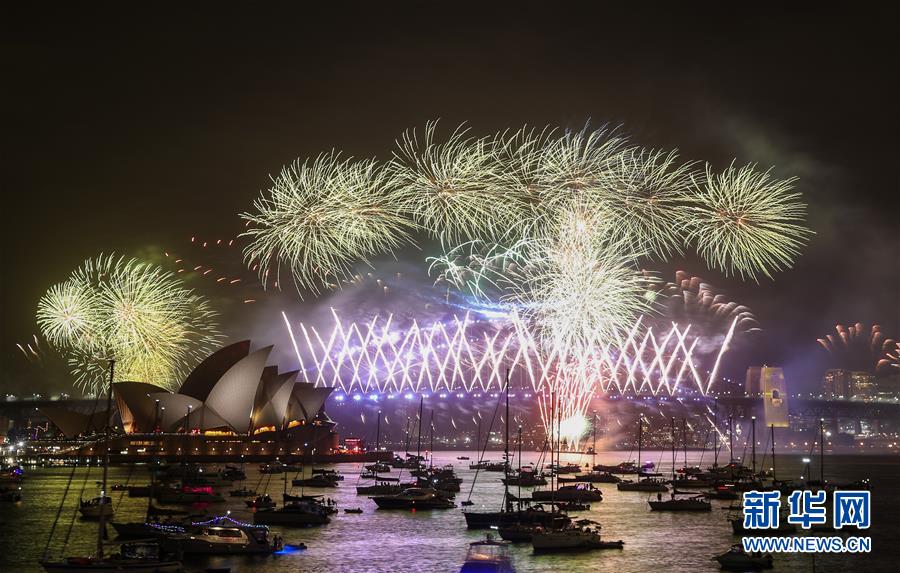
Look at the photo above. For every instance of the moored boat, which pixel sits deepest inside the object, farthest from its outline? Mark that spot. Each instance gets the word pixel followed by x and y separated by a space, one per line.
pixel 578 493
pixel 414 498
pixel 736 559
pixel 488 556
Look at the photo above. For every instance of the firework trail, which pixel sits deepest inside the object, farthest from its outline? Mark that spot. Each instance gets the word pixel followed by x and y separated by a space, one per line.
pixel 857 348
pixel 133 312
pixel 691 300
pixel 467 354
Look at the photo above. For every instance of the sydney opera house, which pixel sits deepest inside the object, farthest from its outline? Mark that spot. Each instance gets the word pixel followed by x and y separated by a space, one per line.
pixel 232 406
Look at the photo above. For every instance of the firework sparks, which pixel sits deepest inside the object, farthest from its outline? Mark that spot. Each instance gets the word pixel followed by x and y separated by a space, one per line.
pixel 322 216
pixel 131 311
pixel 452 188
pixel 855 347
pixel 465 354
pixel 744 222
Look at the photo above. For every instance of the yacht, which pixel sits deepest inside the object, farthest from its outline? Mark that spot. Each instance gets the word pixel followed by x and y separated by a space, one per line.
pixel 736 559
pixel 592 477
pixel 414 498
pixel 261 502
pixel 93 508
pixel 647 484
pixel 133 556
pixel 535 515
pixel 226 540
pixel 382 487
pixel 571 539
pixel 317 480
pixel 378 467
pixel 622 468
pixel 525 478
pixel 296 513
pixel 564 469
pixel 488 556
pixel 693 503
pixel 578 493
pixel 518 532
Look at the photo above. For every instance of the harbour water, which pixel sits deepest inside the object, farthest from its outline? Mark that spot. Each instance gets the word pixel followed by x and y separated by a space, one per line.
pixel 436 541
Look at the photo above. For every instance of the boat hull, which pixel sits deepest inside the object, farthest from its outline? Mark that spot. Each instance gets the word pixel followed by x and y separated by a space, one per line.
pixel 579 496
pixel 646 487
pixel 680 505
pixel 112 566
pixel 485 520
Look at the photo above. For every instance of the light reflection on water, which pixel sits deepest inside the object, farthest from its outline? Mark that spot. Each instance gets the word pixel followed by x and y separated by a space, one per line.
pixel 389 541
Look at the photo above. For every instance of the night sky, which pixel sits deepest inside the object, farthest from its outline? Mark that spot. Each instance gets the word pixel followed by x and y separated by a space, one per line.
pixel 134 132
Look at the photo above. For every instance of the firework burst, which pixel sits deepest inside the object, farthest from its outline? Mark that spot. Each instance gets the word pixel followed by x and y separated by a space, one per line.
pixel 744 222
pixel 322 216
pixel 131 311
pixel 453 188
pixel 644 193
pixel 856 347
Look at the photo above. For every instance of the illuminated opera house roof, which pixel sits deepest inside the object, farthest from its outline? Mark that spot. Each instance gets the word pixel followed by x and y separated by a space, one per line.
pixel 231 391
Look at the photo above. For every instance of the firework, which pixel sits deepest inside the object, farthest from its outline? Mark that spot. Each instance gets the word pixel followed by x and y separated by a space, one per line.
pixel 643 193
pixel 691 300
pixel 577 165
pixel 574 286
pixel 744 222
pixel 453 188
pixel 464 353
pixel 891 357
pixel 322 216
pixel 857 348
pixel 130 311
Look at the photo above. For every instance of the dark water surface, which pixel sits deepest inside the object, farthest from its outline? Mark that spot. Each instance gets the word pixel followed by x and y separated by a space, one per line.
pixel 388 541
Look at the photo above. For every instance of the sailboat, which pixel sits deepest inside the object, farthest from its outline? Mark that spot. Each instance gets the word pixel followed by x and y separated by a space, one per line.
pixel 646 484
pixel 382 485
pixel 692 503
pixel 426 497
pixel 137 556
pixel 536 515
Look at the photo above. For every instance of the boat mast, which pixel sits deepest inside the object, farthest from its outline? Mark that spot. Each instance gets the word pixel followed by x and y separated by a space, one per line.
pixel 684 441
pixel 716 432
pixel 822 451
pixel 506 502
pixel 594 444
pixel 673 452
pixel 419 440
pixel 753 446
pixel 377 443
pixel 519 493
pixel 431 439
pixel 102 525
pixel 640 429
pixel 772 428
pixel 731 444
pixel 550 444
pixel 155 462
pixel 478 441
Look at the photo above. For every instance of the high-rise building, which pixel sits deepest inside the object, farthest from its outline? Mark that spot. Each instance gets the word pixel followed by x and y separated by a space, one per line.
pixel 836 384
pixel 753 385
pixel 862 385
